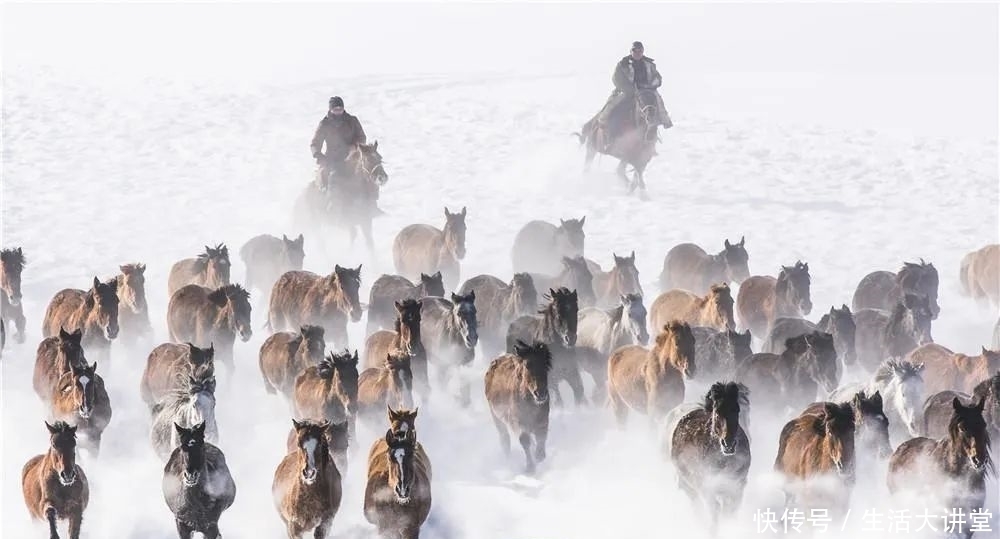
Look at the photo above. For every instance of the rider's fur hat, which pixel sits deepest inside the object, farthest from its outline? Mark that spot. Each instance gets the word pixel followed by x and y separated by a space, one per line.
pixel 336 101
pixel 637 45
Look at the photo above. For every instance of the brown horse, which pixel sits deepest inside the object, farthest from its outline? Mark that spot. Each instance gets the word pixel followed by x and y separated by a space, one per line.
pixel 556 326
pixel 389 289
pixel 337 439
pixel 449 331
pixel 838 322
pixel 398 490
pixel 95 312
pixel 952 469
pixel 944 369
pixel 133 312
pixel 689 267
pixel 762 299
pixel 937 409
pixel 712 452
pixel 54 486
pixel 651 381
pixel 197 485
pixel 284 355
pixel 635 144
pixel 714 310
pixel 540 246
pixel 871 426
pixel 306 485
pixel 328 390
pixel 209 269
pixel 404 339
pixel 882 334
pixel 518 395
pixel 718 353
pixel 12 264
pixel 425 249
pixel 388 385
pixel 56 356
pixel 980 274
pixel 576 275
pixel 884 289
pixel 498 304
pixel 815 445
pixel 622 279
pixel 267 258
pixel 208 317
pixel 170 366
pixel 302 297
pixel 808 363
pixel 81 400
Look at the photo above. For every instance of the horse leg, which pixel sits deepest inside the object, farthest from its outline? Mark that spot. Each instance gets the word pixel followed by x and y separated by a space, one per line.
pixel 366 230
pixel 323 529
pixel 75 523
pixel 504 435
pixel 50 515
pixel 19 323
pixel 409 532
pixel 525 439
pixel 575 382
pixel 619 408
pixel 620 171
pixel 541 436
pixel 183 530
pixel 212 531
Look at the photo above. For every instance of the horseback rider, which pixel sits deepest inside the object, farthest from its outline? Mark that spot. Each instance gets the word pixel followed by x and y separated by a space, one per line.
pixel 632 73
pixel 341 132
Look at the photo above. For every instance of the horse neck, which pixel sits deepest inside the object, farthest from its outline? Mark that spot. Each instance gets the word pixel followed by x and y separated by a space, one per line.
pixel 664 357
pixel 616 333
pixel 899 331
pixel 546 330
pixel 224 318
pixel 952 459
pixel 783 305
pixel 335 296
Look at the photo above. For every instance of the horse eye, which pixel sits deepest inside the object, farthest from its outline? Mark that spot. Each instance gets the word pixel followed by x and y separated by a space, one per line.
pixel 67 389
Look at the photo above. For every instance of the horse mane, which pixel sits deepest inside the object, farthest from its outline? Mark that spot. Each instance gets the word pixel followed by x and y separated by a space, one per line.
pixel 984 388
pixel 14 257
pixel 312 332
pixel 220 250
pixel 535 355
pixel 888 368
pixel 553 298
pixel 720 391
pixel 958 418
pixel 135 267
pixel 229 291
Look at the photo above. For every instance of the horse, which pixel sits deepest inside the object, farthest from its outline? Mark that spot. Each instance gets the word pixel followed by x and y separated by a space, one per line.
pixel 539 246
pixel 404 339
pixel 817 444
pixel 133 312
pixel 717 353
pixel 498 304
pixel 635 144
pixel 808 364
pixel 306 486
pixel 711 451
pixel 688 267
pixel 56 356
pixel 267 258
pixel 398 489
pixel 838 322
pixel 937 409
pixel 95 312
pixel 901 383
pixel 389 289
pixel 556 326
pixel 81 400
pixel 337 439
pixel 207 317
pixel 329 389
pixel 197 485
pixel 12 262
pixel 952 469
pixel 170 366
pixel 284 355
pixel 714 310
pixel 349 200
pixel 871 426
pixel 186 407
pixel 651 381
pixel 884 334
pixel 980 274
pixel 392 383
pixel 884 289
pixel 949 370
pixel 762 298
pixel 600 332
pixel 517 392
pixel 575 275
pixel 54 485
pixel 302 297
pixel 622 279
pixel 449 331
pixel 426 249
pixel 209 269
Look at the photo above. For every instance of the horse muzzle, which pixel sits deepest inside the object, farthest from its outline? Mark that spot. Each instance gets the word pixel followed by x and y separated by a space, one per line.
pixel 111 332
pixel 191 479
pixel 15 301
pixel 245 334
pixel 67 478
pixel 805 306
pixel 85 413
pixel 402 494
pixel 540 398
pixel 728 448
pixel 309 476
pixel 979 464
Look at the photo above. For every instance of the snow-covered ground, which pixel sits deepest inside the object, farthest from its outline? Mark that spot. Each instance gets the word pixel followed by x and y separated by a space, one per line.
pixel 851 137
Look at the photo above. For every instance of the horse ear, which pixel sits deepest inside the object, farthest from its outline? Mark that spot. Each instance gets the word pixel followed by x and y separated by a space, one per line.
pixel 179 429
pixel 285 239
pixel 96 282
pixel 389 411
pixel 124 269
pixel 375 146
pixel 446 212
pixel 727 244
pixel 985 351
pixel 337 268
pixel 199 428
pixel 464 213
pixel 472 296
pixel 562 222
pixel 956 404
pixel 300 239
pixel 455 298
pixel 981 404
pixel 296 424
pixel 63 335
pixel 52 429
pixel 631 257
pixel 355 358
pixel 877 398
pixel 93 368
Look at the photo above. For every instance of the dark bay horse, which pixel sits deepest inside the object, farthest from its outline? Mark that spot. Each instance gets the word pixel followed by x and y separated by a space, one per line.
pixel 498 304
pixel 54 486
pixel 688 267
pixel 329 301
pixel 882 334
pixel 884 289
pixel 556 326
pixel 404 339
pixel 635 143
pixel 328 390
pixel 207 317
pixel 517 390
pixel 56 356
pixel 82 400
pixel 388 289
pixel 12 264
pixel 284 355
pixel 398 489
pixel 197 485
pixel 815 445
pixel 762 299
pixel 450 332
pixel 209 269
pixel 93 311
pixel 306 486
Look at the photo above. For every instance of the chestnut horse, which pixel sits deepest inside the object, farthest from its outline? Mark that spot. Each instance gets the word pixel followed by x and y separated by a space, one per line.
pixel 518 396
pixel 54 486
pixel 302 297
pixel 398 490
pixel 946 370
pixel 306 486
pixel 384 386
pixel 209 269
pixel 980 274
pixel 81 400
pixel 714 310
pixel 208 317
pixel 329 389
pixel 55 357
pixel 763 299
pixel 426 249
pixel 404 339
pixel 688 267
pixel 95 312
pixel 817 444
pixel 133 312
pixel 284 355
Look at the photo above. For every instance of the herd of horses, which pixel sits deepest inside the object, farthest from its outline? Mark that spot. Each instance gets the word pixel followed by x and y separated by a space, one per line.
pixel 560 317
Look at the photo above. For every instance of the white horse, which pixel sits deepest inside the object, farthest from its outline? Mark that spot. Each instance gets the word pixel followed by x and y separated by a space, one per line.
pixel 902 388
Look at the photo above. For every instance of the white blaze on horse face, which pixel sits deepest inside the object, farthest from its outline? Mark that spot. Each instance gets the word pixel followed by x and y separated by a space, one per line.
pixel 310 446
pixel 404 427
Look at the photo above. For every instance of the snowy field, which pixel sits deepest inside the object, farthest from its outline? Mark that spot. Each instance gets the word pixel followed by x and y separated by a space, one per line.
pixel 849 137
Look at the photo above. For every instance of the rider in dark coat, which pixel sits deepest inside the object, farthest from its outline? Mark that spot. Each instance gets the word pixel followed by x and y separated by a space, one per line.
pixel 340 132
pixel 633 72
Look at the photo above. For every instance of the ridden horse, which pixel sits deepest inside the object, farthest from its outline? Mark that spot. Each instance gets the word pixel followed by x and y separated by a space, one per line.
pixel 718 353
pixel 635 143
pixel 980 274
pixel 518 395
pixel 813 445
pixel 306 486
pixel 133 312
pixel 81 400
pixel 94 311
pixel 498 304
pixel 207 317
pixel 267 257
pixel 762 299
pixel 426 249
pixel 611 285
pixel 170 366
pixel 303 297
pixel 398 489
pixel 209 269
pixel 12 264
pixel 688 267
pixel 187 407
pixel 901 384
pixel 715 310
pixel 540 246
pixel 838 322
pixel 388 289
pixel 556 326
pixel 882 334
pixel 197 485
pixel 284 355
pixel 54 485
pixel 390 384
pixel 711 451
pixel 575 275
pixel 884 289
pixel 449 331
pixel 329 389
